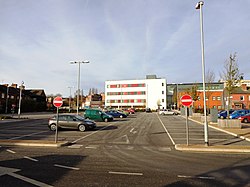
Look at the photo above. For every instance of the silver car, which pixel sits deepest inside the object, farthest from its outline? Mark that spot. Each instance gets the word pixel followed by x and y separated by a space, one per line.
pixel 167 112
pixel 71 122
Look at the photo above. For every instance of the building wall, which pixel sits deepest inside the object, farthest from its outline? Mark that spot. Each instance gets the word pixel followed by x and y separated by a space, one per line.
pixel 241 101
pixel 136 93
pixel 214 100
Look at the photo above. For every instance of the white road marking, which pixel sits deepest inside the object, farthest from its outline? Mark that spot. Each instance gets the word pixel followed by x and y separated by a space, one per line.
pixel 29 158
pixel 196 177
pixel 166 130
pixel 27 135
pixel 164 149
pixel 91 134
pixel 120 140
pixel 10 151
pixel 131 130
pixel 124 173
pixel 91 147
pixel 66 167
pixel 11 172
pixel 75 146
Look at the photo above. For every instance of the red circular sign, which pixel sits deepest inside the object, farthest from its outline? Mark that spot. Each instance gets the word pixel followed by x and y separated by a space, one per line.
pixel 186 100
pixel 57 102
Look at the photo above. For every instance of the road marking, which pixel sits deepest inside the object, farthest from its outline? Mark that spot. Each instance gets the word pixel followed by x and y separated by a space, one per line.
pixel 29 158
pixel 196 177
pixel 66 167
pixel 166 130
pixel 131 130
pixel 75 146
pixel 11 172
pixel 91 134
pixel 91 147
pixel 122 140
pixel 10 151
pixel 27 135
pixel 124 173
pixel 164 149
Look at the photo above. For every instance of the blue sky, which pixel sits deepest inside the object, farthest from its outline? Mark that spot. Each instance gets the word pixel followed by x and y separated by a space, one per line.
pixel 122 39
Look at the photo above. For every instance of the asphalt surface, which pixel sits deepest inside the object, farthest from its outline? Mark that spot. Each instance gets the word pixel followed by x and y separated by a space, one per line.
pixel 136 151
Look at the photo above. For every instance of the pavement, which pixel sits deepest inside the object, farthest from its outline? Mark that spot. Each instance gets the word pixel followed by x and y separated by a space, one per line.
pixel 243 133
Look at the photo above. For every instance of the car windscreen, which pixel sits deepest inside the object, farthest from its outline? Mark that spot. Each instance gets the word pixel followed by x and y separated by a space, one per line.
pixel 80 117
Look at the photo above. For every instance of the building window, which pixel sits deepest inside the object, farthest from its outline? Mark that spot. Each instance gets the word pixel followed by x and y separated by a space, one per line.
pixel 162 92
pixel 214 98
pixel 199 98
pixel 219 107
pixel 162 100
pixel 242 98
pixel 162 84
pixel 218 98
pixel 2 95
pixel 12 97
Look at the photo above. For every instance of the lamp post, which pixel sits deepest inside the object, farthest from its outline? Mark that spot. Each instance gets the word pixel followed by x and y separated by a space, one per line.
pixel 20 99
pixel 199 6
pixel 7 98
pixel 78 81
pixel 70 87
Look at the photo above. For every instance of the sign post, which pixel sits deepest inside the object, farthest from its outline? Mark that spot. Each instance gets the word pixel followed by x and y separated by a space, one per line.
pixel 186 100
pixel 57 102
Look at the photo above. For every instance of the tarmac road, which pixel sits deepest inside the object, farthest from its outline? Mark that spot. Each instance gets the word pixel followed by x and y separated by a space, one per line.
pixel 136 151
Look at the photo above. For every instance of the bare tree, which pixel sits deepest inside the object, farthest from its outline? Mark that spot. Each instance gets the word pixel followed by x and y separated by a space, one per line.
pixel 232 76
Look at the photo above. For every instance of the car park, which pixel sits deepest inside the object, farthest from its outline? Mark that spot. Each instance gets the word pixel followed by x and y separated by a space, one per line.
pixel 116 114
pixel 245 119
pixel 97 115
pixel 167 112
pixel 69 121
pixel 238 113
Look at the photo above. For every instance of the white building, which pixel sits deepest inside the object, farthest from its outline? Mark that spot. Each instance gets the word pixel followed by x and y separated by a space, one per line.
pixel 144 93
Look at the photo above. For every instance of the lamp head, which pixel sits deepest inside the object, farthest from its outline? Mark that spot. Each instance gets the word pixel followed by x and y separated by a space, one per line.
pixel 199 4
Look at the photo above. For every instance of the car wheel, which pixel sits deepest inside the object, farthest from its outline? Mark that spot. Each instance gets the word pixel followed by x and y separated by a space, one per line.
pixel 52 127
pixel 221 117
pixel 106 120
pixel 81 127
pixel 245 120
pixel 121 116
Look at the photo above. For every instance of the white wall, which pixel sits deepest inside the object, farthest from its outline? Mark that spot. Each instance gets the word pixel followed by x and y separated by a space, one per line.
pixel 153 91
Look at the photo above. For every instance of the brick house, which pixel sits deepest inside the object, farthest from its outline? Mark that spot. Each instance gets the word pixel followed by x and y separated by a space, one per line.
pixel 32 100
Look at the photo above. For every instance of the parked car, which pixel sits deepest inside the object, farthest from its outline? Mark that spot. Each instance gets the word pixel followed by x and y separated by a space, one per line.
pixel 167 112
pixel 97 115
pixel 245 119
pixel 148 110
pixel 116 114
pixel 223 114
pixel 238 113
pixel 70 121
pixel 130 110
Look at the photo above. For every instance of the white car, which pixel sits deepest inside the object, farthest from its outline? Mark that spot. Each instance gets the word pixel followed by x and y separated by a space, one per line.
pixel 167 112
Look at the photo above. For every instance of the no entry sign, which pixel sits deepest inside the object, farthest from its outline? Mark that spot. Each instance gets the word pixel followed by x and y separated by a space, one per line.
pixel 57 102
pixel 186 100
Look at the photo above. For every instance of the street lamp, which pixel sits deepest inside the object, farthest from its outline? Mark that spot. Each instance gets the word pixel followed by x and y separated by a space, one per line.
pixel 20 99
pixel 7 97
pixel 199 6
pixel 78 82
pixel 70 87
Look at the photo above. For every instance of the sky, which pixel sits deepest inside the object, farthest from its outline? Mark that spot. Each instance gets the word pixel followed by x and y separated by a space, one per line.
pixel 122 39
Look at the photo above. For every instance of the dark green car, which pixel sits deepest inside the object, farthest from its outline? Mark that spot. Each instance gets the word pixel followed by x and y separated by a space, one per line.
pixel 97 115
